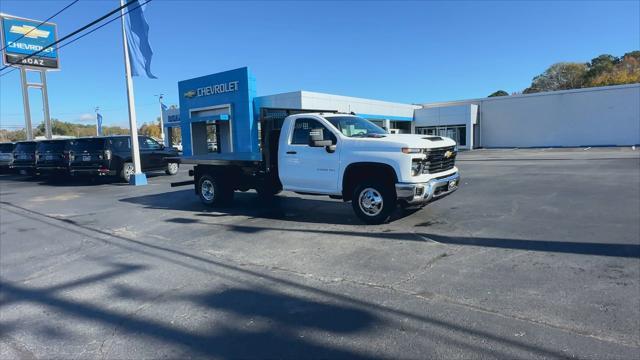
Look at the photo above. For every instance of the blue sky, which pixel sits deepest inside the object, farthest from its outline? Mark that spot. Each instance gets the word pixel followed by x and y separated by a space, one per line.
pixel 412 52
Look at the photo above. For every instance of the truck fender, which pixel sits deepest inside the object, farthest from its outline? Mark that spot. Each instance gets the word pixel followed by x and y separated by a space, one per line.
pixel 357 172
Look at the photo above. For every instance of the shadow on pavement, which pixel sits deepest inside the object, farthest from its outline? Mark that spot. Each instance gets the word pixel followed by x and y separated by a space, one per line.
pixel 608 249
pixel 248 204
pixel 73 181
pixel 362 314
pixel 282 318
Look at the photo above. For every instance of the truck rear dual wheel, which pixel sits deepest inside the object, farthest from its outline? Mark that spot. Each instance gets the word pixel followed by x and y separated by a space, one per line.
pixel 374 202
pixel 214 192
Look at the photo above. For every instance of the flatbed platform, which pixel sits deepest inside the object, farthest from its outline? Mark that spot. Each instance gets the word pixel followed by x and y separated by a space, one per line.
pixel 222 159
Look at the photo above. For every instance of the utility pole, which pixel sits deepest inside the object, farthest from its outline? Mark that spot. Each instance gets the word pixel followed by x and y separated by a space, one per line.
pixel 138 177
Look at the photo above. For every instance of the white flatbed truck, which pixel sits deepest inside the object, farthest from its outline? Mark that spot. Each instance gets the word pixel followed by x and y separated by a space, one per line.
pixel 340 155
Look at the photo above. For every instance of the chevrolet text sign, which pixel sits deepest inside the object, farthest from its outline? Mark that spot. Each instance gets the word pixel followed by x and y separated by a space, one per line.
pixel 23 37
pixel 213 89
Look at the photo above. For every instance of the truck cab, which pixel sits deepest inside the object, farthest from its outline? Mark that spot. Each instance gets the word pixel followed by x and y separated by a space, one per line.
pixel 349 157
pixel 339 155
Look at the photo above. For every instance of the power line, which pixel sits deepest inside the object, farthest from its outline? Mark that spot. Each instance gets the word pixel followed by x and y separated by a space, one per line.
pixel 49 18
pixel 76 31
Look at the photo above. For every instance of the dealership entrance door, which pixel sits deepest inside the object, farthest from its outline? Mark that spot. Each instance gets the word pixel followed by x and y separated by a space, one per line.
pixel 456 132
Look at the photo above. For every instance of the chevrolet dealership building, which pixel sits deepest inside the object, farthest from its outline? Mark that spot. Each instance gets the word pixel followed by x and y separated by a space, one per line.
pixel 601 116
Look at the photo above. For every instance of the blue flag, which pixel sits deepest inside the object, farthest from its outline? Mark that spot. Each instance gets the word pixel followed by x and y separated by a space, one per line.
pixel 163 106
pixel 140 51
pixel 99 120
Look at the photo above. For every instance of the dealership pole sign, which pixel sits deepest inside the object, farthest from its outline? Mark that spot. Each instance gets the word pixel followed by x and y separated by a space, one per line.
pixel 24 37
pixel 28 45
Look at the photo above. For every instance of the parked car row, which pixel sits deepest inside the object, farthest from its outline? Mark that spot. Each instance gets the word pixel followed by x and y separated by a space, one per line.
pixel 91 156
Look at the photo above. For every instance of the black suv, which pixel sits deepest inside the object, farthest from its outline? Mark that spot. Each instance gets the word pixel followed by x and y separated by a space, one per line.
pixel 111 155
pixel 24 157
pixel 6 156
pixel 52 157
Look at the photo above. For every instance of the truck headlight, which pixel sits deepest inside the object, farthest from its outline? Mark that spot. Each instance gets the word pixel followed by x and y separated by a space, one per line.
pixel 412 150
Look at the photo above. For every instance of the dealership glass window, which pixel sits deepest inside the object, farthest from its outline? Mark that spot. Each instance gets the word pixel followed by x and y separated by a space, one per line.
pixel 404 127
pixel 303 127
pixel 456 132
pixel 212 138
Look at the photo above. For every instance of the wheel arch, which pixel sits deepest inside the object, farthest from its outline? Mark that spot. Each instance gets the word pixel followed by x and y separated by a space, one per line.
pixel 354 173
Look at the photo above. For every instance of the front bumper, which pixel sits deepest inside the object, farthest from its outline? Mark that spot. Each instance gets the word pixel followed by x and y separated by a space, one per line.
pixel 421 193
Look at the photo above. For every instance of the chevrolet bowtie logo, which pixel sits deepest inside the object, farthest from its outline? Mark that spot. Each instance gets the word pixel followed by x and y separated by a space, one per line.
pixel 189 94
pixel 29 31
pixel 448 154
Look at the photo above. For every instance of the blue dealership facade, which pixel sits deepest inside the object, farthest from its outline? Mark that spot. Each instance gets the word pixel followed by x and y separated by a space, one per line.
pixel 221 112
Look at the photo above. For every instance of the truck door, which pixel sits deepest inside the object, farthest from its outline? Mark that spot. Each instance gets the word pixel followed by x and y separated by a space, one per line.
pixel 305 168
pixel 148 160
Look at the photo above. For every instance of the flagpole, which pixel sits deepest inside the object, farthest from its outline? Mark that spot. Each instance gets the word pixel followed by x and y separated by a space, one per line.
pixel 138 178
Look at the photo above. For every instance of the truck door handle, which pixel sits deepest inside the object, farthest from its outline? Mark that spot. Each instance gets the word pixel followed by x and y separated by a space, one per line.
pixel 292 152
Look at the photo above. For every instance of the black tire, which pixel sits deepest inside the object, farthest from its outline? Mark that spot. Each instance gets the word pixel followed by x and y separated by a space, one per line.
pixel 374 202
pixel 267 190
pixel 127 171
pixel 172 168
pixel 213 192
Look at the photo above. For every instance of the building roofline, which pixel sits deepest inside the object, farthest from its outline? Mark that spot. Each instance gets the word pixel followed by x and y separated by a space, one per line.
pixel 315 94
pixel 545 93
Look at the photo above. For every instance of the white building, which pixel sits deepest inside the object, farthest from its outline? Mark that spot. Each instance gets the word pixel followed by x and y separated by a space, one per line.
pixel 600 116
pixel 394 116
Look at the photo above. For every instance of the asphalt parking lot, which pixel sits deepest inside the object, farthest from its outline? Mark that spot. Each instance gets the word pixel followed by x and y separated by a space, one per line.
pixel 536 255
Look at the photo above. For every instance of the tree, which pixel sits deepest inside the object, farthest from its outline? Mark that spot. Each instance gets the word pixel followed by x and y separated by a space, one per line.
pixel 62 128
pixel 599 65
pixel 603 70
pixel 152 129
pixel 559 76
pixel 499 93
pixel 625 71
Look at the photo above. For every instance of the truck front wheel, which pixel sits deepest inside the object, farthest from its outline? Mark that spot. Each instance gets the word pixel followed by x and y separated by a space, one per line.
pixel 373 203
pixel 213 192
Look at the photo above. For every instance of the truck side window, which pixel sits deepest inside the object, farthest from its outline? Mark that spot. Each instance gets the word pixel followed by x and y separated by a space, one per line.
pixel 148 143
pixel 121 144
pixel 302 128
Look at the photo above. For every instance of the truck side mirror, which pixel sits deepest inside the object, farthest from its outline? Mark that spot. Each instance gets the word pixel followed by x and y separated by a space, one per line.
pixel 316 138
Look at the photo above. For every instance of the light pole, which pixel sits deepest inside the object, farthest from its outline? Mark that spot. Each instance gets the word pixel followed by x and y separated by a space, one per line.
pixel 161 118
pixel 98 130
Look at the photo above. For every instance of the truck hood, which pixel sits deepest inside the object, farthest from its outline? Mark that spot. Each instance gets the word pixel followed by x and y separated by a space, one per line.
pixel 419 141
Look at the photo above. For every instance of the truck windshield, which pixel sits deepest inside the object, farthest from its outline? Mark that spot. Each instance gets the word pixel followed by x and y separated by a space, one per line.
pixel 353 126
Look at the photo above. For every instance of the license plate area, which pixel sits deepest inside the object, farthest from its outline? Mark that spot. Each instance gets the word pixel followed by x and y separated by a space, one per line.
pixel 86 157
pixel 48 157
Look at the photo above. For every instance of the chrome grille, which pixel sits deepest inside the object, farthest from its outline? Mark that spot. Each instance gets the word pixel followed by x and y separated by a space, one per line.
pixel 437 162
